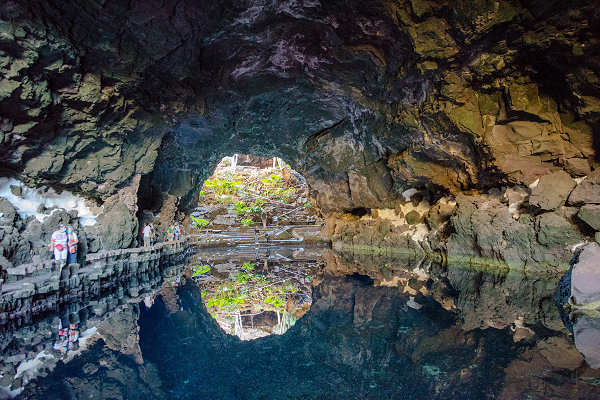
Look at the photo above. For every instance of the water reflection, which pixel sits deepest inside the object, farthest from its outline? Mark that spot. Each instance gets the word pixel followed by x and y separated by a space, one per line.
pixel 473 334
pixel 255 295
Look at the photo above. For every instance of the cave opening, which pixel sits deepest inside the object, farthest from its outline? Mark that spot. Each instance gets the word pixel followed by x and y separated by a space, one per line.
pixel 257 216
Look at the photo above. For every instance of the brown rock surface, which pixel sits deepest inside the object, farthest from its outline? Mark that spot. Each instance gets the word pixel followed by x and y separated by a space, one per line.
pixel 552 190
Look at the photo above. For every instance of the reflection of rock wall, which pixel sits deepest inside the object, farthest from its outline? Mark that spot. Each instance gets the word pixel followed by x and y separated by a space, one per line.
pixel 107 310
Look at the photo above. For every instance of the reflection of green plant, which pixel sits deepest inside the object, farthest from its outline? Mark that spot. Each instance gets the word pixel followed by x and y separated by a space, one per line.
pixel 247 222
pixel 243 277
pixel 202 193
pixel 276 301
pixel 226 298
pixel 309 278
pixel 199 222
pixel 240 208
pixel 200 269
pixel 307 204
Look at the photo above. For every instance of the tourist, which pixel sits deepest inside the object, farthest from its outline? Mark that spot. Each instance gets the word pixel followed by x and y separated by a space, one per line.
pixel 152 234
pixel 72 241
pixel 147 234
pixel 58 244
pixel 176 232
pixel 170 232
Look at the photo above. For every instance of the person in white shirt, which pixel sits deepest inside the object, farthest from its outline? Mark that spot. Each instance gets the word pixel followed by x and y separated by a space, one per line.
pixel 58 244
pixel 147 234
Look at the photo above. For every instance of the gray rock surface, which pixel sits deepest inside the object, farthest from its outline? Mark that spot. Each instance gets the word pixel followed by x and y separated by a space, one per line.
pixel 588 191
pixel 587 339
pixel 484 229
pixel 116 227
pixel 590 214
pixel 552 191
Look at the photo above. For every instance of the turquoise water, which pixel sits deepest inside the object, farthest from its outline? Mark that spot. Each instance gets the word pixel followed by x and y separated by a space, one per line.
pixel 455 333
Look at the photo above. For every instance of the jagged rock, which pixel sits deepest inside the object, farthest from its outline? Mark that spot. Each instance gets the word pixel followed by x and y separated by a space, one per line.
pixel 485 230
pixel 552 191
pixel 7 212
pixel 116 227
pixel 588 191
pixel 17 190
pixel 590 214
pixel 585 277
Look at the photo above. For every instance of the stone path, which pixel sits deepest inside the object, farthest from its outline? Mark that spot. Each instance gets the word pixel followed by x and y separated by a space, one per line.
pixel 34 288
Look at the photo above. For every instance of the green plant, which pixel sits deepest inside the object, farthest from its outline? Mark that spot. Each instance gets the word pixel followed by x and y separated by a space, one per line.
pixel 272 181
pixel 199 222
pixel 200 269
pixel 202 193
pixel 275 301
pixel 222 186
pixel 240 208
pixel 307 204
pixel 249 266
pixel 247 222
pixel 286 194
pixel 243 277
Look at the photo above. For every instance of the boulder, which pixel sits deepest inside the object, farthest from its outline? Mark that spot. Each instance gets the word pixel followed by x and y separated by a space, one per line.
pixel 588 191
pixel 554 230
pixel 7 212
pixel 552 191
pixel 587 339
pixel 590 214
pixel 116 227
pixel 585 276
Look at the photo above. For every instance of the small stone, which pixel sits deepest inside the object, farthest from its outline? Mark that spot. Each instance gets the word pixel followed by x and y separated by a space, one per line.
pixel 552 190
pixel 590 214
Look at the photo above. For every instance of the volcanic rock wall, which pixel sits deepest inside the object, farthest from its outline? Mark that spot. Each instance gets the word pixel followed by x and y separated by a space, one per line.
pixel 366 99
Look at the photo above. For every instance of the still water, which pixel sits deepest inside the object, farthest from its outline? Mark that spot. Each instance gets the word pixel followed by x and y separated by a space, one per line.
pixel 369 328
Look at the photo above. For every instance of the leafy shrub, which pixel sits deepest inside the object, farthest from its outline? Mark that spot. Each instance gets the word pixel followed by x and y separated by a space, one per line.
pixel 199 222
pixel 249 266
pixel 201 269
pixel 222 186
pixel 272 181
pixel 247 222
